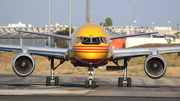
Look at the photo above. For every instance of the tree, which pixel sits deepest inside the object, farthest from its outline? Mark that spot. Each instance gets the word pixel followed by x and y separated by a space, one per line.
pixel 108 22
pixel 100 23
pixel 62 43
pixel 173 37
pixel 65 32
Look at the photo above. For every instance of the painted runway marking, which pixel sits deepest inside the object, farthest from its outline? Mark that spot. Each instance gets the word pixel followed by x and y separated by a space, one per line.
pixel 176 82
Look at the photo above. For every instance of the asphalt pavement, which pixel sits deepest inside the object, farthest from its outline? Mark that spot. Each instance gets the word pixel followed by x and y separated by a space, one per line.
pixel 72 87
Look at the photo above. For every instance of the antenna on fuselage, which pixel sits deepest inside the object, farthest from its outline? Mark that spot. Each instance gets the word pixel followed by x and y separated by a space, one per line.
pixel 88 12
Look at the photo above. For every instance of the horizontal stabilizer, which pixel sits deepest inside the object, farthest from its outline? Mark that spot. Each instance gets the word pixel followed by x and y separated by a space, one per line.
pixel 130 35
pixel 45 34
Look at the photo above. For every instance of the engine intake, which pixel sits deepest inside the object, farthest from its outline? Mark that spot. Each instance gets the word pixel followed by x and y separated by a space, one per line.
pixel 23 64
pixel 155 66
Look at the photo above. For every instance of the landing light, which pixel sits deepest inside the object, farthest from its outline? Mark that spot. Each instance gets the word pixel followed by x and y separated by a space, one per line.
pixel 90 72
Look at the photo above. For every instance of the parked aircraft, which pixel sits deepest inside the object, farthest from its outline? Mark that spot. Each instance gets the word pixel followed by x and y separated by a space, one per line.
pixel 90 47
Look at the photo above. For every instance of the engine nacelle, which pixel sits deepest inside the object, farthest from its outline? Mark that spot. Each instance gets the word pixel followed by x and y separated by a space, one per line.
pixel 155 66
pixel 23 64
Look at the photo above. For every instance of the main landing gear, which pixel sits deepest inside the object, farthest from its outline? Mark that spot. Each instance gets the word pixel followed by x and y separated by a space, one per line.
pixel 124 80
pixel 90 82
pixel 52 79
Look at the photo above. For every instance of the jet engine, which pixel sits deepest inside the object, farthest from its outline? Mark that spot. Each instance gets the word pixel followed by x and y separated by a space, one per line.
pixel 155 66
pixel 23 64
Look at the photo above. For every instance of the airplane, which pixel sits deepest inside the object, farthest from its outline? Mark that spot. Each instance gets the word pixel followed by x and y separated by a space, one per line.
pixel 90 47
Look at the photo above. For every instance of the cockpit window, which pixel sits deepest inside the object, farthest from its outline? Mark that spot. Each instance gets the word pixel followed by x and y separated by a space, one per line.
pixel 78 39
pixel 91 40
pixel 96 40
pixel 103 40
pixel 86 40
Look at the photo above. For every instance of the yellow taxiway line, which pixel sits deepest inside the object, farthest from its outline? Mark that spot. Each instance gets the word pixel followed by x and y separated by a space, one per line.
pixel 176 82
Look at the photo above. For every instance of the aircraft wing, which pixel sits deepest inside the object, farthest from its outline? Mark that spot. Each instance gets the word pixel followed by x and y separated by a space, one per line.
pixel 135 52
pixel 43 51
pixel 130 35
pixel 51 35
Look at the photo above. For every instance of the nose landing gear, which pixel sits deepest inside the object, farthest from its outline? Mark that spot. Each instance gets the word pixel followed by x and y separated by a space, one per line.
pixel 90 82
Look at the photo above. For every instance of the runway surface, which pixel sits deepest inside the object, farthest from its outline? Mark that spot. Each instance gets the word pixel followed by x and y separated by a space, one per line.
pixel 73 85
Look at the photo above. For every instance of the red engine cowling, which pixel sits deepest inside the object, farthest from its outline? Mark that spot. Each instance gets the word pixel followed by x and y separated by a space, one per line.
pixel 155 66
pixel 23 64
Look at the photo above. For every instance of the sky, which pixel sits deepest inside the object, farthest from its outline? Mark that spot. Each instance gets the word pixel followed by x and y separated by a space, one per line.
pixel 35 12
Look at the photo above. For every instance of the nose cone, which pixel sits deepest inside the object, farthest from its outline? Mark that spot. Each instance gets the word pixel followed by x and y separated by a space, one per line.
pixel 91 54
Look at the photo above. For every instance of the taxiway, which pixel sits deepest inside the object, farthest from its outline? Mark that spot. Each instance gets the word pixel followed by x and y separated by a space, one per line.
pixel 11 84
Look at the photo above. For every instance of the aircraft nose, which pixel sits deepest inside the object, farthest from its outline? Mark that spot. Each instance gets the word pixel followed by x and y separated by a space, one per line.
pixel 91 54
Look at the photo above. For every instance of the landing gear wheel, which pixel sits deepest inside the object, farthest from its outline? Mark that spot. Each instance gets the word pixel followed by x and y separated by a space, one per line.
pixel 93 84
pixel 56 81
pixel 87 84
pixel 48 81
pixel 120 82
pixel 128 82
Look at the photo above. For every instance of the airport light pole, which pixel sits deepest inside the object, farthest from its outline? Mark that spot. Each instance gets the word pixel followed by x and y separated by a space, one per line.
pixel 69 22
pixel 49 27
pixel 168 26
pixel 153 25
pixel 129 12
pixel 134 22
pixel 177 27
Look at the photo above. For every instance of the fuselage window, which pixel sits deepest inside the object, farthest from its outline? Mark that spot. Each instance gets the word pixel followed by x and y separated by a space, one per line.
pixel 78 39
pixel 103 40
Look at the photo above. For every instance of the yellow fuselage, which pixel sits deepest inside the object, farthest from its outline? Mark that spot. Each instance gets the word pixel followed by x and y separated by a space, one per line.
pixel 90 44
